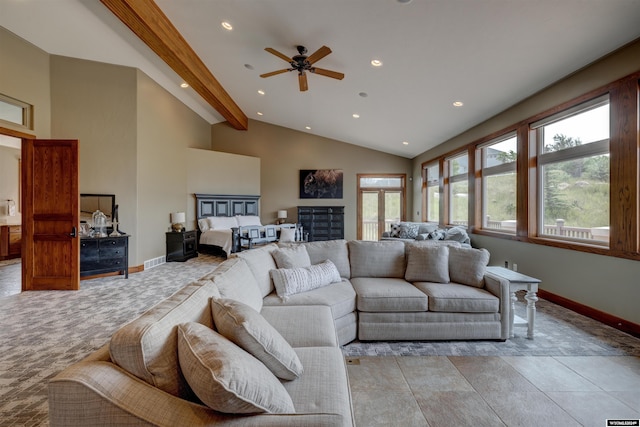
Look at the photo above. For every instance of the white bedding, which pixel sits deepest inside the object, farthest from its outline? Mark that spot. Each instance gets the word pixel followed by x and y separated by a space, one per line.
pixel 222 238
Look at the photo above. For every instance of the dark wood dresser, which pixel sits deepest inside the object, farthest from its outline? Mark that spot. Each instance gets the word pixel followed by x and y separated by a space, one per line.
pixel 100 255
pixel 10 241
pixel 181 245
pixel 322 222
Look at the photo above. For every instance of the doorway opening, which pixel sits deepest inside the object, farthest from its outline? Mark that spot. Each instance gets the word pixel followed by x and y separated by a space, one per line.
pixel 381 202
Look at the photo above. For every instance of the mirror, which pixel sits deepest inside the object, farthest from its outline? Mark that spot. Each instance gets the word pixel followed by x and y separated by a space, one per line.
pixel 89 203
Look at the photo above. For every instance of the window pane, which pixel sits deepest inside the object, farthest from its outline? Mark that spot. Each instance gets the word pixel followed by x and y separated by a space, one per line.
pixel 501 152
pixel 575 198
pixel 459 203
pixel 433 204
pixel 370 215
pixel 458 165
pixel 500 202
pixel 583 128
pixel 381 182
pixel 432 174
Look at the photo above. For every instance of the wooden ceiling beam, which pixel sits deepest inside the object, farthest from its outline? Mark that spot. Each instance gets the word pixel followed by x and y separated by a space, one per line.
pixel 152 26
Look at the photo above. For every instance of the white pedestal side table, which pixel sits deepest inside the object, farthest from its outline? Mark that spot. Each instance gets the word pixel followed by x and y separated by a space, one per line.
pixel 519 282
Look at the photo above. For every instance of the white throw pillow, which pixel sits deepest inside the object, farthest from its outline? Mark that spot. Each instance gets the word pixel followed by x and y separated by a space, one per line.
pixel 467 266
pixel 291 281
pixel 427 263
pixel 249 330
pixel 292 257
pixel 247 220
pixel 287 235
pixel 222 222
pixel 203 224
pixel 227 378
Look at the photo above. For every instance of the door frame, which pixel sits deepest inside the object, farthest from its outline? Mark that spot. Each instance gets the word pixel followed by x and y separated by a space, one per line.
pixel 381 191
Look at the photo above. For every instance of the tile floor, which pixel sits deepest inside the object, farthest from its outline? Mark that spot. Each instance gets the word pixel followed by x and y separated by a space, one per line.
pixel 494 391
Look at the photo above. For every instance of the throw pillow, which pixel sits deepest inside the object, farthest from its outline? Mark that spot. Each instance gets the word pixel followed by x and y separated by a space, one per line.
pixel 427 263
pixel 467 266
pixel 292 257
pixel 291 281
pixel 249 330
pixel 408 230
pixel 225 377
pixel 287 235
pixel 394 230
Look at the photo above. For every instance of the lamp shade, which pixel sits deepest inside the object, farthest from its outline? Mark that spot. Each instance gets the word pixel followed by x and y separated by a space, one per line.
pixel 178 217
pixel 282 214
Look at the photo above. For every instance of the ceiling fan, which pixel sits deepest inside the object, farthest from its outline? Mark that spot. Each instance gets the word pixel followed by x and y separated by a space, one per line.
pixel 302 63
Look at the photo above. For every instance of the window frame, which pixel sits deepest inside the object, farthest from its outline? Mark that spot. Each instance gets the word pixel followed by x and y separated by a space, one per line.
pixel 450 179
pixel 433 183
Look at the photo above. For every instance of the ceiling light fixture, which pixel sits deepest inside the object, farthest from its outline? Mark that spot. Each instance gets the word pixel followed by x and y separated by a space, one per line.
pixel 260 114
pixel 363 94
pixel 226 25
pixel 248 66
pixel 376 63
pixel 184 85
pixel 458 104
pixel 356 115
pixel 405 143
pixel 307 127
pixel 260 92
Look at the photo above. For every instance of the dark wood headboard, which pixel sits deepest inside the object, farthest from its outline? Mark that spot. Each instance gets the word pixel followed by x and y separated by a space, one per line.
pixel 225 205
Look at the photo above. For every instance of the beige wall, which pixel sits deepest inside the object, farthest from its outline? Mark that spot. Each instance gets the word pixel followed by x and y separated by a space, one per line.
pixel 283 152
pixel 604 283
pixel 24 75
pixel 166 129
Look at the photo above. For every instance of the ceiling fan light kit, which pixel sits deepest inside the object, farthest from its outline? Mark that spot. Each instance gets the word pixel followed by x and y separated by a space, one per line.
pixel 302 63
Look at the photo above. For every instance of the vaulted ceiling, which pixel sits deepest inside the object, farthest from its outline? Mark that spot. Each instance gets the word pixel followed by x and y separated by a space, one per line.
pixel 488 54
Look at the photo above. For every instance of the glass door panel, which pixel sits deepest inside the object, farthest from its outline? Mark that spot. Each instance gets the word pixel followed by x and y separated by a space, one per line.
pixel 370 216
pixel 392 208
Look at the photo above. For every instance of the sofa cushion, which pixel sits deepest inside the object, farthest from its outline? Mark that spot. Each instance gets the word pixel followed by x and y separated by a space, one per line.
pixel 249 330
pixel 147 347
pixel 467 265
pixel 225 377
pixel 377 259
pixel 302 326
pixel 291 281
pixel 427 263
pixel 234 280
pixel 457 298
pixel 260 262
pixel 408 230
pixel 291 257
pixel 388 294
pixel 335 250
pixel 340 297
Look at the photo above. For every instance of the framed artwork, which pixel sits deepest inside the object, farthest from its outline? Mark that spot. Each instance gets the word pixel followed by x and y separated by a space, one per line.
pixel 321 183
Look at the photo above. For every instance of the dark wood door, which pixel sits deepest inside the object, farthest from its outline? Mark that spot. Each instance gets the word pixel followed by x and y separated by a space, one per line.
pixel 50 215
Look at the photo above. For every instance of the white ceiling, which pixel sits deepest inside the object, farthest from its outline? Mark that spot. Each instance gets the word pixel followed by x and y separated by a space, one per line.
pixel 489 54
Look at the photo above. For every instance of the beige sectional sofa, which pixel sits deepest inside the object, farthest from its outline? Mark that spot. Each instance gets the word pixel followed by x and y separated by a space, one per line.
pixel 157 370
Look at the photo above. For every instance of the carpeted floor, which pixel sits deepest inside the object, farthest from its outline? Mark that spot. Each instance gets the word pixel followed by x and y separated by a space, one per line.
pixel 44 332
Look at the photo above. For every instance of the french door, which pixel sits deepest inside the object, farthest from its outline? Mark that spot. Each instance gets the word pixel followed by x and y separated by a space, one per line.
pixel 381 202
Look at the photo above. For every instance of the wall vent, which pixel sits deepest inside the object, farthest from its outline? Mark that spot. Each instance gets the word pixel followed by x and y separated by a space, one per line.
pixel 150 263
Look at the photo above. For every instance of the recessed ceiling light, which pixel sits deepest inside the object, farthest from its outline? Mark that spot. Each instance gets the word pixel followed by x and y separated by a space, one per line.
pixel 248 66
pixel 226 25
pixel 404 1
pixel 184 84
pixel 260 114
pixel 260 92
pixel 458 104
pixel 356 115
pixel 405 143
pixel 376 63
pixel 307 127
pixel 363 94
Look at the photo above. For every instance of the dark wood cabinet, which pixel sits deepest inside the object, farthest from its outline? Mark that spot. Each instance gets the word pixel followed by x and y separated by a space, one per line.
pixel 100 255
pixel 322 222
pixel 10 241
pixel 181 245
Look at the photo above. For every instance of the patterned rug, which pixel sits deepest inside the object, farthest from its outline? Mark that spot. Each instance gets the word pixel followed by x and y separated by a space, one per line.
pixel 44 332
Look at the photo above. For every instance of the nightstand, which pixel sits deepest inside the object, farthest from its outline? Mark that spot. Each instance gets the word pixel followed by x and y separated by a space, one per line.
pixel 181 245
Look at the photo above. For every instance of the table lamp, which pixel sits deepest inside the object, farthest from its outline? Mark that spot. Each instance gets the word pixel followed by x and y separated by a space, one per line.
pixel 177 221
pixel 282 215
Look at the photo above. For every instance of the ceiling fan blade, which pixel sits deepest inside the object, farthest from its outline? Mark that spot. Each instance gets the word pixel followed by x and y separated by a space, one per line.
pixel 318 54
pixel 273 73
pixel 278 54
pixel 328 73
pixel 302 80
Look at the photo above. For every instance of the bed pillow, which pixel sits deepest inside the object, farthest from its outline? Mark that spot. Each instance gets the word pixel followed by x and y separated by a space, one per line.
pixel 247 220
pixel 291 281
pixel 427 263
pixel 203 224
pixel 467 266
pixel 249 330
pixel 292 257
pixel 225 377
pixel 222 222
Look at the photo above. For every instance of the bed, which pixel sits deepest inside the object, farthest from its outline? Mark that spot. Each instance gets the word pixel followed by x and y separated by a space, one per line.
pixel 229 223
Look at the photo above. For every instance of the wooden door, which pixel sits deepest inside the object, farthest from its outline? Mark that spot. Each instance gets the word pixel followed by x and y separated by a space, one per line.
pixel 50 215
